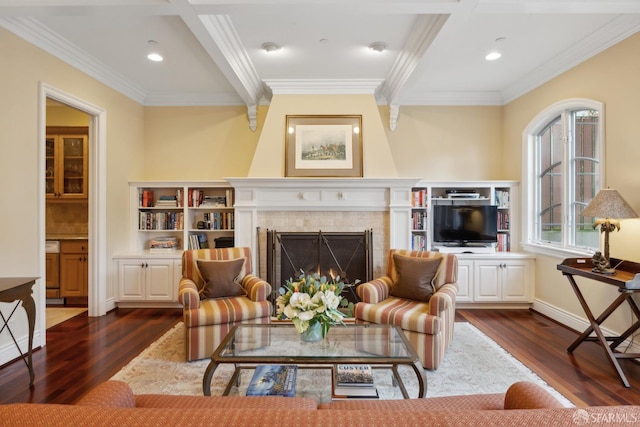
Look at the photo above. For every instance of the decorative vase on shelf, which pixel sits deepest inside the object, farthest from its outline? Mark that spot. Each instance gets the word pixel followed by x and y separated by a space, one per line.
pixel 313 333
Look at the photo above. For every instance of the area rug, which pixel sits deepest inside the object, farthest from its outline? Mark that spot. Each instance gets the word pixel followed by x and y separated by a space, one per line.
pixel 474 364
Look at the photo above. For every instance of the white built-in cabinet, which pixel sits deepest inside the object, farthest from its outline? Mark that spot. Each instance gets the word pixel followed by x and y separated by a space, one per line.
pixel 148 279
pixel 180 214
pixel 504 276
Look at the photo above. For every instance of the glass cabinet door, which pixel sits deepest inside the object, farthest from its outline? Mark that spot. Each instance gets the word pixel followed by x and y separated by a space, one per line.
pixel 73 169
pixel 50 165
pixel 66 163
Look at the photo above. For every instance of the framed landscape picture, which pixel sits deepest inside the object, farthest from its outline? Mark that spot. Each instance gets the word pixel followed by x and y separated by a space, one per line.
pixel 323 146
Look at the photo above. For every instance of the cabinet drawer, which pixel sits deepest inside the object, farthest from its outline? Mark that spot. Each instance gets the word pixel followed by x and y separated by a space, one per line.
pixel 74 246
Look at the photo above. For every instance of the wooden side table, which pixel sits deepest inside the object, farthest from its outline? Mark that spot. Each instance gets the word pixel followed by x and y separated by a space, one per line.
pixel 624 280
pixel 20 289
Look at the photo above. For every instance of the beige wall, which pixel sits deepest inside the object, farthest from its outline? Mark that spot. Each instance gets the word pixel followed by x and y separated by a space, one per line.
pixel 448 143
pixel 612 78
pixel 199 143
pixel 23 68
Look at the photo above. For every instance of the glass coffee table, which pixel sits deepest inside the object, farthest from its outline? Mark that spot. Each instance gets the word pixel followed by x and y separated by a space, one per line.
pixel 381 346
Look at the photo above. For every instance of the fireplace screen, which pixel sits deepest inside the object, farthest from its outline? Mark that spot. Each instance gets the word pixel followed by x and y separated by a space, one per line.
pixel 348 255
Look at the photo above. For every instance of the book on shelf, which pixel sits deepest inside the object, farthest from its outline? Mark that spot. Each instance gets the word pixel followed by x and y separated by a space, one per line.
pixel 164 244
pixel 273 380
pixel 351 391
pixel 352 375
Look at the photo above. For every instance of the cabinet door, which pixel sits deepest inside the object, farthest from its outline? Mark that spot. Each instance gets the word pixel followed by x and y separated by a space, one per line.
pixel 515 281
pixel 73 275
pixel 160 283
pixel 131 280
pixel 487 281
pixel 465 281
pixel 73 179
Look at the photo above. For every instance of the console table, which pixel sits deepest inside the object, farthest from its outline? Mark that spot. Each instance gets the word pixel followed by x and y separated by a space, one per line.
pixel 20 289
pixel 624 280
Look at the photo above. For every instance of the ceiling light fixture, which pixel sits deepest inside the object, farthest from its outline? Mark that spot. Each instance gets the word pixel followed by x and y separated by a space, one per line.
pixel 378 46
pixel 270 47
pixel 492 56
pixel 154 55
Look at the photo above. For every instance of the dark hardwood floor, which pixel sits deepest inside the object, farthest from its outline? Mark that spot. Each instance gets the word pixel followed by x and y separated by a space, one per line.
pixel 85 351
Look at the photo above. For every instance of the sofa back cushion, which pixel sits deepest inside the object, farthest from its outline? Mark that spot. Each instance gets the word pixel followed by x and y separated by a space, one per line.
pixel 527 395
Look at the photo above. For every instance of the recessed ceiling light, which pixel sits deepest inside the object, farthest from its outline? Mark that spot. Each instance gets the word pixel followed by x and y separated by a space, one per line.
pixel 153 54
pixel 378 46
pixel 492 56
pixel 270 47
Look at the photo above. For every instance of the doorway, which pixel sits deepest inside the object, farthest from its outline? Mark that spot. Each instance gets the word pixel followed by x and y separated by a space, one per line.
pixel 96 223
pixel 66 207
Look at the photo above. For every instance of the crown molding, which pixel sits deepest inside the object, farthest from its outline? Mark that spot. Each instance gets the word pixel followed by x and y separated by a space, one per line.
pixel 180 99
pixel 34 32
pixel 452 98
pixel 598 41
pixel 323 86
pixel 421 36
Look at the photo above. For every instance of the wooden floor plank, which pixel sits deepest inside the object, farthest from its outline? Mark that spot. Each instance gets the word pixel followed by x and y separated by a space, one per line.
pixel 85 351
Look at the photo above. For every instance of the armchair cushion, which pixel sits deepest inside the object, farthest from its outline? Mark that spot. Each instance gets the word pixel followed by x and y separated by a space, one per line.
pixel 415 277
pixel 221 278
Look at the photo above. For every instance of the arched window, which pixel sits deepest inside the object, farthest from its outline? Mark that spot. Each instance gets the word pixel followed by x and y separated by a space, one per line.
pixel 563 170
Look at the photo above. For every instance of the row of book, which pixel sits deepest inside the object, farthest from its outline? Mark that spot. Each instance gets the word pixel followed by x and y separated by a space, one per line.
pixel 161 221
pixel 419 198
pixel 198 241
pixel 504 244
pixel 195 197
pixel 503 220
pixel 419 220
pixel 219 220
pixel 502 199
pixel 198 199
pixel 418 242
pixel 348 381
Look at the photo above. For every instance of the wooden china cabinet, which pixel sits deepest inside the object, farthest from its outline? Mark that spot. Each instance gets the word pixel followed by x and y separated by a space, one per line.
pixel 66 163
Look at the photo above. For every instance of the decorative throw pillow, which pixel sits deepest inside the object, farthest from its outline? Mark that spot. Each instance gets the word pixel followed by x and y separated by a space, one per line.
pixel 415 277
pixel 221 278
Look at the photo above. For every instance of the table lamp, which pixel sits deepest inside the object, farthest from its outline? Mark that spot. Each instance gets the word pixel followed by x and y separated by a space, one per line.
pixel 607 207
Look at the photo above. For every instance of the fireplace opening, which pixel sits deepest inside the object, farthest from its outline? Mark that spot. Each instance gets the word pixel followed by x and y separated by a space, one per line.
pixel 331 254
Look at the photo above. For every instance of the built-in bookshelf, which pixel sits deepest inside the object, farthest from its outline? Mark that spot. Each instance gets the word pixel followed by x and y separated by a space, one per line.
pixel 498 193
pixel 189 215
pixel 419 218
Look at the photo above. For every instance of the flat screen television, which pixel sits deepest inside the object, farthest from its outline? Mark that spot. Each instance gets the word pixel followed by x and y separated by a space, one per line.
pixel 465 225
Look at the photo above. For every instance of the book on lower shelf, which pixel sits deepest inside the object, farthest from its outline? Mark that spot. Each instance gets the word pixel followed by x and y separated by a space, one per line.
pixel 353 390
pixel 273 380
pixel 353 375
pixel 164 244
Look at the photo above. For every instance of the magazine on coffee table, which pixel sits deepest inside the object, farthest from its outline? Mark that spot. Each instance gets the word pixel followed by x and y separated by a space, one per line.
pixel 353 375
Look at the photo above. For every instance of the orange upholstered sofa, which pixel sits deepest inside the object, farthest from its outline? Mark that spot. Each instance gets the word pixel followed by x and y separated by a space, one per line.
pixel 114 404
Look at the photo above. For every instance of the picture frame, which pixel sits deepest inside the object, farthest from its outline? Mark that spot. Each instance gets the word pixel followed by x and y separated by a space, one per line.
pixel 323 146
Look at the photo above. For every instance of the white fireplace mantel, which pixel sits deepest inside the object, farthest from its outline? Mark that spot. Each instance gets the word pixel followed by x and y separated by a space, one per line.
pixel 392 195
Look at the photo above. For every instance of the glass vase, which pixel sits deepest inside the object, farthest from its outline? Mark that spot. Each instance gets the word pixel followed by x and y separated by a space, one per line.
pixel 313 333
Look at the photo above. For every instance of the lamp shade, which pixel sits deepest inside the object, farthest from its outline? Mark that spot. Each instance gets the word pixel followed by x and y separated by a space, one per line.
pixel 608 203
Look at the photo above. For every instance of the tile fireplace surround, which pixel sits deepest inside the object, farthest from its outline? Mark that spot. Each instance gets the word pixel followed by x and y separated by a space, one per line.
pixel 326 204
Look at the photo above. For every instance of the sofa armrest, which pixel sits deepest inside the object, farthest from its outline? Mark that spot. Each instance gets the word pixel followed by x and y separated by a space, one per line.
pixel 443 299
pixel 528 395
pixel 374 291
pixel 112 394
pixel 188 294
pixel 257 289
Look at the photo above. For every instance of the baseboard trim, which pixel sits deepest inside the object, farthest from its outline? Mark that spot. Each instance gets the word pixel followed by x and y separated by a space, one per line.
pixel 578 324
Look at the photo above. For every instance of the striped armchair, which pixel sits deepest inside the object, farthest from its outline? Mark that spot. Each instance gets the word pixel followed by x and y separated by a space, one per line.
pixel 427 325
pixel 207 322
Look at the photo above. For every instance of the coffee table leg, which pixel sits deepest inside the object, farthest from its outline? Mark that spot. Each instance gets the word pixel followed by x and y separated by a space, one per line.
pixel 208 375
pixel 422 379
